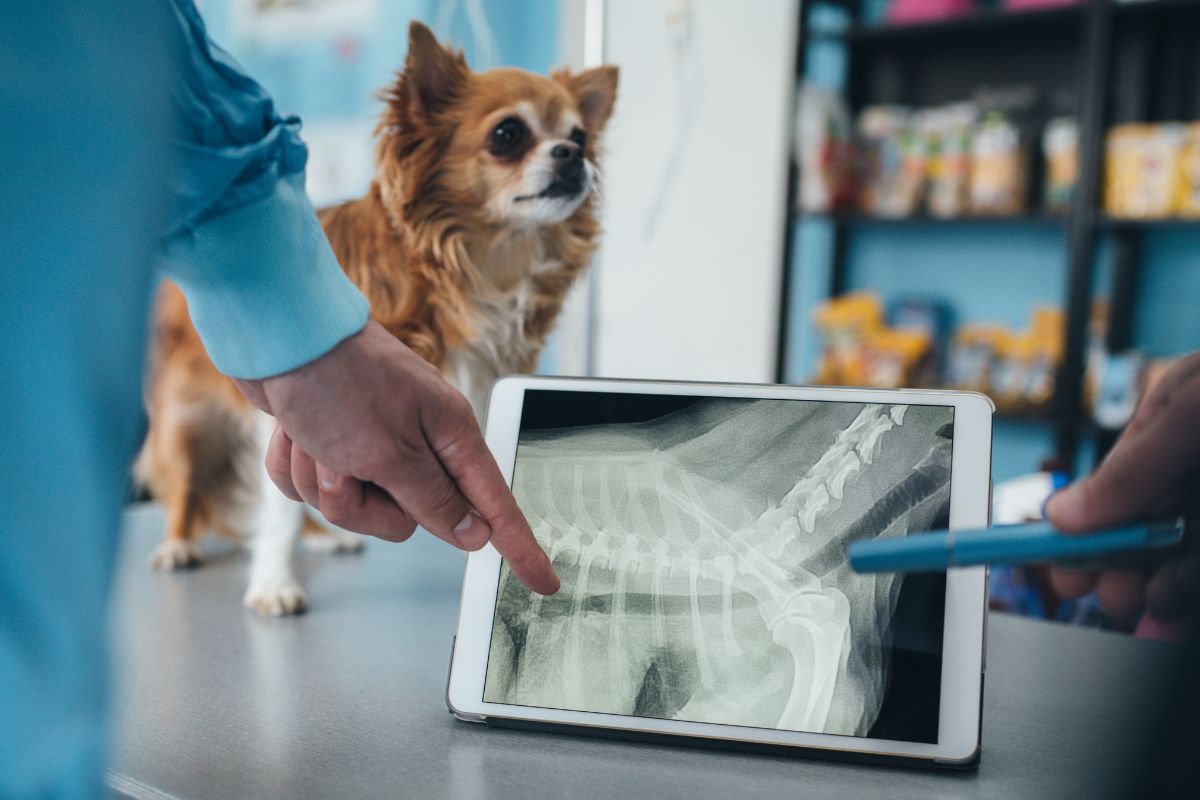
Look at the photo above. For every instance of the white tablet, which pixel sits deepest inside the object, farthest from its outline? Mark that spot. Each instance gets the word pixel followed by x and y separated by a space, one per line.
pixel 700 533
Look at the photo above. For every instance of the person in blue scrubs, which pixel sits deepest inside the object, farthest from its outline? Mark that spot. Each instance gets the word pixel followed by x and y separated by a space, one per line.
pixel 130 142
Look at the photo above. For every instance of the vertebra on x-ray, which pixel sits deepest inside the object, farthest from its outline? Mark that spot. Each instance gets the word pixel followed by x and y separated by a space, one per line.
pixel 702 557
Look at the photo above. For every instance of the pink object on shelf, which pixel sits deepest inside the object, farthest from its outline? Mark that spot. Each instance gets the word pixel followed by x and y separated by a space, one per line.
pixel 1022 5
pixel 902 11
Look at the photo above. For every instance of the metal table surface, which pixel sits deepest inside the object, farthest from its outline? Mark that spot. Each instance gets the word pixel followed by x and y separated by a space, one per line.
pixel 348 700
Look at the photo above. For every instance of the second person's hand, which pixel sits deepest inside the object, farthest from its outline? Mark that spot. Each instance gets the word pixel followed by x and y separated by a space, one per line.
pixel 1153 472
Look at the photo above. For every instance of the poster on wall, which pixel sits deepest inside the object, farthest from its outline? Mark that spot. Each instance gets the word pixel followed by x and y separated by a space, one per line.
pixel 284 21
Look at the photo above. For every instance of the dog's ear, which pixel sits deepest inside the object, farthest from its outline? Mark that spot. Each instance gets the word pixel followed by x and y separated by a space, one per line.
pixel 436 76
pixel 595 90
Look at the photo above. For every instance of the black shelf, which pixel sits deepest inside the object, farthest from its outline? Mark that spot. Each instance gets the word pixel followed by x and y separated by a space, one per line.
pixel 864 220
pixel 1148 7
pixel 968 26
pixel 1157 223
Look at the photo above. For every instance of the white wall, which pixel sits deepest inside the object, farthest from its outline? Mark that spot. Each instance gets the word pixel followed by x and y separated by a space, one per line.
pixel 700 299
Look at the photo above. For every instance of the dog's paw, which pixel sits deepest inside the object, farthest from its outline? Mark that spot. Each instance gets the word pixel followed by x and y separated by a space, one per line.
pixel 276 598
pixel 173 554
pixel 334 542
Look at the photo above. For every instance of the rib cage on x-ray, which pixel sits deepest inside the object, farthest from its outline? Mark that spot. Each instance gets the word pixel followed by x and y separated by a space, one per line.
pixel 702 557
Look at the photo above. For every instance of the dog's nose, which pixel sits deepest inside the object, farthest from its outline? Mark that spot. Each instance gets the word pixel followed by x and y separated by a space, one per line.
pixel 567 151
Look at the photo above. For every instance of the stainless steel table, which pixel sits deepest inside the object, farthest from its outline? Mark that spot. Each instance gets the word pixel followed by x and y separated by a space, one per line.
pixel 348 701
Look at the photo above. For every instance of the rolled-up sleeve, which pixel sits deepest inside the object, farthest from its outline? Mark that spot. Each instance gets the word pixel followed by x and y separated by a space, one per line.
pixel 263 286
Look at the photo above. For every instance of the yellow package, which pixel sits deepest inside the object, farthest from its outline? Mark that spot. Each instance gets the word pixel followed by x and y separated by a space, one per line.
pixel 1188 200
pixel 973 356
pixel 846 323
pixel 998 168
pixel 892 356
pixel 1143 170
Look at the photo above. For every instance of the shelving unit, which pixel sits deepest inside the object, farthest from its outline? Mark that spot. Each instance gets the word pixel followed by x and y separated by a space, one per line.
pixel 1115 62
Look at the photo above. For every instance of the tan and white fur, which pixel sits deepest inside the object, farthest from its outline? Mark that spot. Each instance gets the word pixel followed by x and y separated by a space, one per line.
pixel 480 219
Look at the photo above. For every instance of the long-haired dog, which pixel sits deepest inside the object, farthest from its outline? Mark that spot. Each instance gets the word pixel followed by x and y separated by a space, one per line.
pixel 481 217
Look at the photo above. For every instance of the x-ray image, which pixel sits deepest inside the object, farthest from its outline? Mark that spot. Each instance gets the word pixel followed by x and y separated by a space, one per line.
pixel 701 546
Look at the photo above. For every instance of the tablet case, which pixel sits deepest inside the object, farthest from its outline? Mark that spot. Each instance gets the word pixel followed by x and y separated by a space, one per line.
pixel 729 745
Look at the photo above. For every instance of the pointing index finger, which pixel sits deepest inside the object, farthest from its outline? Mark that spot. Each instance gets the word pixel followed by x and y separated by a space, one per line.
pixel 470 463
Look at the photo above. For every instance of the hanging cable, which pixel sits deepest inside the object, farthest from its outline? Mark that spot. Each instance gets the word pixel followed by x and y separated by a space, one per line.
pixel 689 91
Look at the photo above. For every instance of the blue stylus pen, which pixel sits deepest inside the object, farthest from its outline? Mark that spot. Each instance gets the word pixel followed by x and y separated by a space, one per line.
pixel 1034 543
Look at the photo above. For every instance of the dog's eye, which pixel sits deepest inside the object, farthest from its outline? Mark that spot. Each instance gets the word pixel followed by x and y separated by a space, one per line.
pixel 578 137
pixel 508 136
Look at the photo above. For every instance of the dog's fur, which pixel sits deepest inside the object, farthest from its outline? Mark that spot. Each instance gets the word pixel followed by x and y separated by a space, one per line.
pixel 465 246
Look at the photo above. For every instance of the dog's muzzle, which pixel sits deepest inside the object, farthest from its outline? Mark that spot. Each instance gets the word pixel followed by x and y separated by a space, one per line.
pixel 570 173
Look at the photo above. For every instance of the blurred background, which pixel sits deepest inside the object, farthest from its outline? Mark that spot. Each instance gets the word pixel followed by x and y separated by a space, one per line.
pixel 997 195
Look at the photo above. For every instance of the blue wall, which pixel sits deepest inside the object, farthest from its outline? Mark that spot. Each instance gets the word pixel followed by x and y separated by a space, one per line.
pixel 336 75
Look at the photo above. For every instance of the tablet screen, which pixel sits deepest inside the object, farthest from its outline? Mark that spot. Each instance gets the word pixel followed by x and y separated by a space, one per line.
pixel 701 545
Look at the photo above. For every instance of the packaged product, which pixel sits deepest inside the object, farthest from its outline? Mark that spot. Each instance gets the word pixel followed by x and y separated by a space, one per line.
pixel 1144 169
pixel 846 323
pixel 824 151
pixel 1188 202
pixel 998 167
pixel 1042 354
pixel 892 162
pixel 948 141
pixel 933 319
pixel 1010 360
pixel 972 356
pixel 906 11
pixel 1119 389
pixel 893 356
pixel 1060 149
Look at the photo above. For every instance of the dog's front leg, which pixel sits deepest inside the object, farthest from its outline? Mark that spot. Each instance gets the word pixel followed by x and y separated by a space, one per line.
pixel 274 589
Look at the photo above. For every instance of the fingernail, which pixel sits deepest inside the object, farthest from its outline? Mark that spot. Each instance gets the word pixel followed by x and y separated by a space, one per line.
pixel 1054 503
pixel 1046 503
pixel 472 531
pixel 327 478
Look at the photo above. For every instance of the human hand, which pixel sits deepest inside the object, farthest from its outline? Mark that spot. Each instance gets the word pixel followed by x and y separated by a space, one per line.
pixel 376 439
pixel 1153 471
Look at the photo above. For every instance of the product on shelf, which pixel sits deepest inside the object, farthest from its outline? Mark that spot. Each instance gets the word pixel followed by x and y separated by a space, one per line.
pixel 893 162
pixel 1026 5
pixel 998 167
pixel 891 357
pixel 907 11
pixel 846 322
pixel 824 151
pixel 948 135
pixel 1045 346
pixel 1060 149
pixel 1096 359
pixel 1015 368
pixel 933 319
pixel 1146 170
pixel 1189 189
pixel 1119 389
pixel 1125 380
pixel 861 349
pixel 972 356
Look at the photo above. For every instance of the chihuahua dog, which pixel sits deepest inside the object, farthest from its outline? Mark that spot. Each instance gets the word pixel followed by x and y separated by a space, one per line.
pixel 480 219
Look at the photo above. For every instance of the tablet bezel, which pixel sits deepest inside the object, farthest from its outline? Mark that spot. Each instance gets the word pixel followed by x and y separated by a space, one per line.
pixel 964 631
